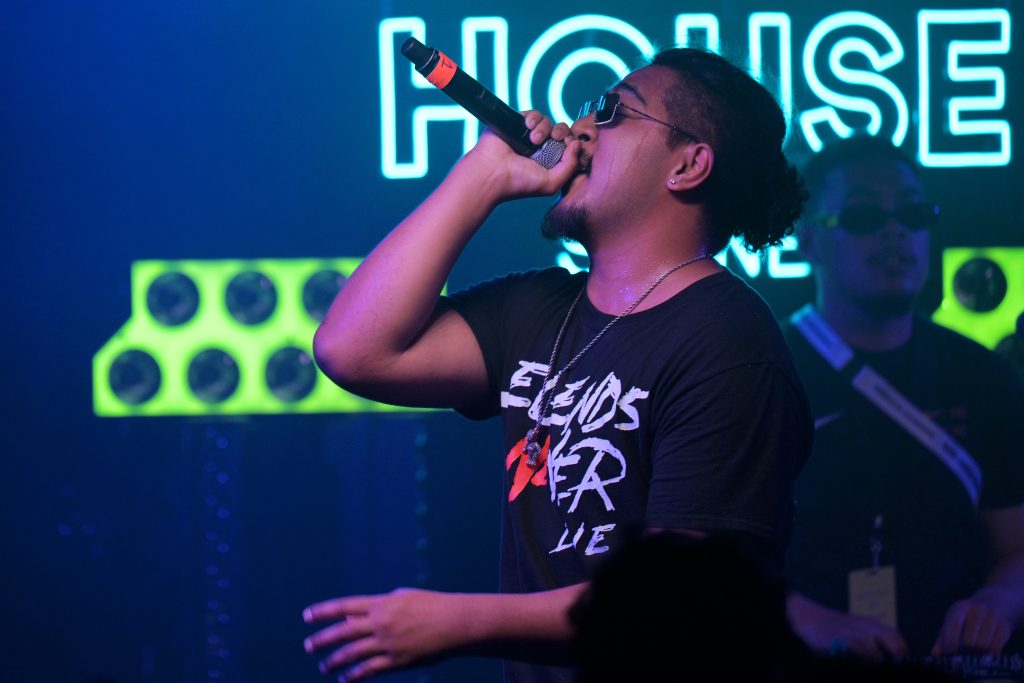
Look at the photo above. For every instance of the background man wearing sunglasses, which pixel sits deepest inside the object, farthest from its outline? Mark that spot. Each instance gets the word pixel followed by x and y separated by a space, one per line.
pixel 878 493
pixel 655 392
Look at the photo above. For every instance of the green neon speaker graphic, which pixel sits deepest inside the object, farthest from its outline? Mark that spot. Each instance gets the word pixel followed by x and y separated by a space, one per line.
pixel 983 292
pixel 226 337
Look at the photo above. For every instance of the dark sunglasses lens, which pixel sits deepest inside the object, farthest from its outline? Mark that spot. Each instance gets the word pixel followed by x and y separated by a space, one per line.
pixel 605 108
pixel 917 216
pixel 861 219
pixel 868 219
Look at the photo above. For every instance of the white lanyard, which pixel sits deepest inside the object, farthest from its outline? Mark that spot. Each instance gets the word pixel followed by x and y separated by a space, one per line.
pixel 891 401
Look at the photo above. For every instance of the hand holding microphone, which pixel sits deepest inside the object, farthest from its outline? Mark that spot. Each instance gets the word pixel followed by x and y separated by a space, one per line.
pixel 471 95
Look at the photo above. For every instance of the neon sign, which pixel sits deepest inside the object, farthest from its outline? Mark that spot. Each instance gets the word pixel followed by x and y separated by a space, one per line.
pixel 840 37
pixel 958 73
pixel 849 63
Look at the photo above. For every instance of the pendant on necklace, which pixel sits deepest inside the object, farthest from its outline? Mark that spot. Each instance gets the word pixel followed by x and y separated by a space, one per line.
pixel 532 447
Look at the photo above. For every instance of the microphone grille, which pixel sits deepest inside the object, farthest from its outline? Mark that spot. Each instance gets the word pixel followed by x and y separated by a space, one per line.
pixel 549 153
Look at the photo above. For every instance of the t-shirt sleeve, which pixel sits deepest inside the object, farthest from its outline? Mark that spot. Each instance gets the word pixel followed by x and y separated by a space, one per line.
pixel 482 307
pixel 501 313
pixel 726 452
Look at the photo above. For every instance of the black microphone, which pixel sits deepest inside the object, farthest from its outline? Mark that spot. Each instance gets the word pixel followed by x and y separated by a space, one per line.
pixel 471 95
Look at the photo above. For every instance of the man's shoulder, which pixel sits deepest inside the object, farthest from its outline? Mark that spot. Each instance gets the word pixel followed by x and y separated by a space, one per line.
pixel 957 353
pixel 727 285
pixel 933 333
pixel 731 307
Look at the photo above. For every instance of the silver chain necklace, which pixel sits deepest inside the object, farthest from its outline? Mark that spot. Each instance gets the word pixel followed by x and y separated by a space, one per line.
pixel 532 447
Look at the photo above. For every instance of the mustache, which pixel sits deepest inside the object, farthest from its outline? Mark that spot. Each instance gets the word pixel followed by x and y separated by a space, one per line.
pixel 904 255
pixel 583 168
pixel 585 160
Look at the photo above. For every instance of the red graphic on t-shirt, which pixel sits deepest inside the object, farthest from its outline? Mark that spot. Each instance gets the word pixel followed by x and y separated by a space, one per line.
pixel 538 476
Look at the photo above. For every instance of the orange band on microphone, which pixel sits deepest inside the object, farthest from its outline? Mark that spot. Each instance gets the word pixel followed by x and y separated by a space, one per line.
pixel 442 74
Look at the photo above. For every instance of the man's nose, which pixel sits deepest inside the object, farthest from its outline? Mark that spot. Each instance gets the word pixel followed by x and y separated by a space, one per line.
pixel 584 129
pixel 893 229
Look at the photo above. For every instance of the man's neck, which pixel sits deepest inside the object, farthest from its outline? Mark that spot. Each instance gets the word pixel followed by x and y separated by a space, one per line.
pixel 864 330
pixel 621 274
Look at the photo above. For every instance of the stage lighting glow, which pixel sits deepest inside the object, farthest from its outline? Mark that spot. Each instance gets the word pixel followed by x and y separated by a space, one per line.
pixel 213 375
pixel 224 361
pixel 250 297
pixel 983 292
pixel 173 299
pixel 134 376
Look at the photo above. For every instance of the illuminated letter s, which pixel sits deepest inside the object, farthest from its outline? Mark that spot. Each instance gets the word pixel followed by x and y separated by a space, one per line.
pixel 879 61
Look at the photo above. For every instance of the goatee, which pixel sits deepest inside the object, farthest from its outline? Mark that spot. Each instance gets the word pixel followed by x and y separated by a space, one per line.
pixel 565 221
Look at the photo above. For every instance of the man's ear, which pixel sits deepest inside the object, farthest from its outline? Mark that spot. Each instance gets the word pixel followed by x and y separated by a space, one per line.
pixel 693 167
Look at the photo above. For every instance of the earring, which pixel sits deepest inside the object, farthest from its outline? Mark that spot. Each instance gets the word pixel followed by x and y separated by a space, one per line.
pixel 672 182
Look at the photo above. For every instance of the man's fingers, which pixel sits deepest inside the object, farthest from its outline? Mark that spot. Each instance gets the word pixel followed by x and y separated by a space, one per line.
pixel 533 117
pixel 876 641
pixel 977 631
pixel 972 626
pixel 1000 638
pixel 371 667
pixel 862 645
pixel 985 633
pixel 539 126
pixel 892 643
pixel 354 652
pixel 560 132
pixel 948 641
pixel 335 634
pixel 336 608
pixel 566 168
pixel 542 132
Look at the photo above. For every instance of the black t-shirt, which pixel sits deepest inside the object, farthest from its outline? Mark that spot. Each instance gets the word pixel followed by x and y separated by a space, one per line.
pixel 865 465
pixel 688 415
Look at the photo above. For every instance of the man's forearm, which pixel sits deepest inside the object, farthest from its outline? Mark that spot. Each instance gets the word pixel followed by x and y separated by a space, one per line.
pixel 389 298
pixel 824 629
pixel 521 616
pixel 408 626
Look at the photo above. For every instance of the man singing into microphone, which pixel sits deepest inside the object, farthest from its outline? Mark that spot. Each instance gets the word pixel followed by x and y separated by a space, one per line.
pixel 655 391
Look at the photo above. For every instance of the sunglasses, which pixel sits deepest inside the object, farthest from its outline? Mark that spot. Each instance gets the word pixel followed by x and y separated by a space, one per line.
pixel 606 107
pixel 866 219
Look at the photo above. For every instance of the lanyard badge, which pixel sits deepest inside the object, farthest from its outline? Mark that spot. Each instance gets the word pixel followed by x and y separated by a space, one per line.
pixel 872 591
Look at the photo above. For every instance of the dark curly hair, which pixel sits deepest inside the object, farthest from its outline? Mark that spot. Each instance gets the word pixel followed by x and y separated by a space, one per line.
pixel 753 192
